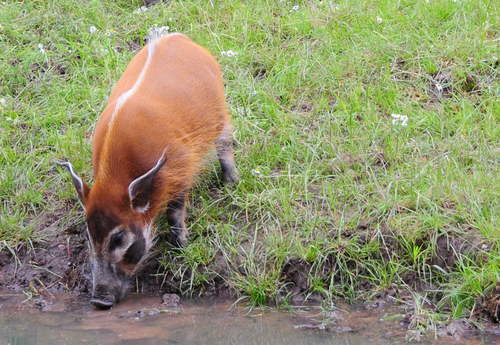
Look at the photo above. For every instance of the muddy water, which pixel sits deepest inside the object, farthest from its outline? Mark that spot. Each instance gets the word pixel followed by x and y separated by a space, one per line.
pixel 67 319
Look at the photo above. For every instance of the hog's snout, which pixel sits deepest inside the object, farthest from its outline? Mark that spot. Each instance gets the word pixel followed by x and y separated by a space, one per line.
pixel 106 296
pixel 102 303
pixel 109 286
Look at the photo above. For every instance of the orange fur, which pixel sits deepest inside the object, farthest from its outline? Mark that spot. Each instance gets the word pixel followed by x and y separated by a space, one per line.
pixel 169 100
pixel 179 104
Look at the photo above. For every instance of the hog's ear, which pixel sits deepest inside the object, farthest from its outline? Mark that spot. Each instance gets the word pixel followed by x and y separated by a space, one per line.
pixel 140 188
pixel 81 188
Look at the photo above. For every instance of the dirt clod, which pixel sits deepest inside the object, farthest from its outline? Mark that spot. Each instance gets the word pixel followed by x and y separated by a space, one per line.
pixel 171 300
pixel 296 272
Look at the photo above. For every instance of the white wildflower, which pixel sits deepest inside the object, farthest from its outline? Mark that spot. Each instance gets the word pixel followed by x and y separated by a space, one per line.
pixel 1 27
pixel 163 30
pixel 255 171
pixel 42 50
pixel 379 20
pixel 398 119
pixel 156 31
pixel 223 53
pixel 439 87
pixel 140 9
pixel 230 53
pixel 110 32
pixel 92 29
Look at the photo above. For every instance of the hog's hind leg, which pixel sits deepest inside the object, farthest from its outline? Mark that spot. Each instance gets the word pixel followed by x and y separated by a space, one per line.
pixel 225 156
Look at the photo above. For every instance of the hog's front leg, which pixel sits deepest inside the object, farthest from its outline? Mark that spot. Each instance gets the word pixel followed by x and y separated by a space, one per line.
pixel 175 217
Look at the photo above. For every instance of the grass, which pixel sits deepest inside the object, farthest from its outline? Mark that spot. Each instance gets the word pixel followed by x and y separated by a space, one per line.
pixel 360 204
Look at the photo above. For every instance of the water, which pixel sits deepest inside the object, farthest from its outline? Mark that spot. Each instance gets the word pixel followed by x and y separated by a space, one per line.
pixel 70 320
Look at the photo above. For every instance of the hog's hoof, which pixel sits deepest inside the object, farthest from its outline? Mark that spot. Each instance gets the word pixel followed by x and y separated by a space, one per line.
pixel 230 176
pixel 101 303
pixel 179 240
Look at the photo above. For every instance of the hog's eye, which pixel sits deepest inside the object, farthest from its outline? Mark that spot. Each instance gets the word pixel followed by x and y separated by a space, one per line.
pixel 116 240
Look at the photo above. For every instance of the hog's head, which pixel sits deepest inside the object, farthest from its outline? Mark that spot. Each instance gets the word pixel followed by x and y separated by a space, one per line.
pixel 120 233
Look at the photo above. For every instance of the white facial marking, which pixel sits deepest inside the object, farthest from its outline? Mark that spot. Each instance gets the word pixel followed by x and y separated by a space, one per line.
pixel 118 252
pixel 148 233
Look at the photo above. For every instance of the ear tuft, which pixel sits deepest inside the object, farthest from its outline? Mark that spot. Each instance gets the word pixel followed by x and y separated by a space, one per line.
pixel 81 188
pixel 140 188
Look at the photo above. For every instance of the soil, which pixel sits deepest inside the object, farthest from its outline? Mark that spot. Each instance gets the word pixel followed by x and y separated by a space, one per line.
pixel 62 264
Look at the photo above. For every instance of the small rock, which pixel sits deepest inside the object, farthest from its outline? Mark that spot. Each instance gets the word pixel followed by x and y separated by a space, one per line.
pixel 171 300
pixel 297 299
pixel 342 329
pixel 42 303
pixel 333 315
pixel 154 312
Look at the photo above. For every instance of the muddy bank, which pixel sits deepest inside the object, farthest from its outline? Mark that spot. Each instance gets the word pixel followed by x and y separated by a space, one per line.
pixel 63 266
pixel 70 319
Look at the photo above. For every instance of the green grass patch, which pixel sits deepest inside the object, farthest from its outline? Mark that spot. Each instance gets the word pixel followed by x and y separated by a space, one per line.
pixel 356 204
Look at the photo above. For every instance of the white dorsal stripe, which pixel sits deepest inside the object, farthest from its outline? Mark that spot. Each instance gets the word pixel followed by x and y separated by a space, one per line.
pixel 127 94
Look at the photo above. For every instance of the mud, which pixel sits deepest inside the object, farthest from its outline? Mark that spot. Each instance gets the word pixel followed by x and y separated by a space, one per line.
pixel 62 265
pixel 69 319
